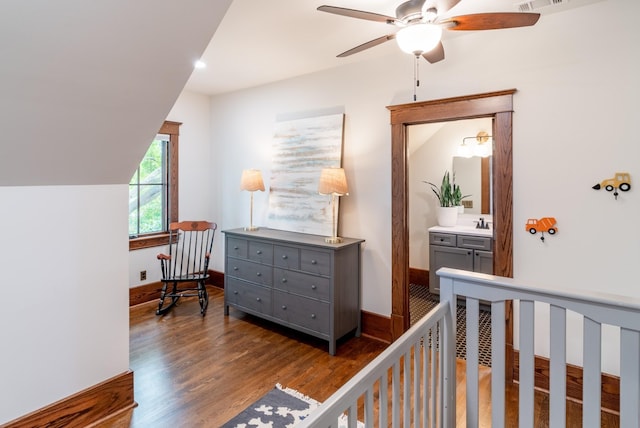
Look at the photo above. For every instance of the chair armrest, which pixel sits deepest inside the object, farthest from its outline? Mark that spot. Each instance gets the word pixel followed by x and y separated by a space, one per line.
pixel 163 257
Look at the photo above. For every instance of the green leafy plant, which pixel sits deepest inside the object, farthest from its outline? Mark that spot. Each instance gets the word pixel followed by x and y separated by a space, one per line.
pixel 457 193
pixel 444 192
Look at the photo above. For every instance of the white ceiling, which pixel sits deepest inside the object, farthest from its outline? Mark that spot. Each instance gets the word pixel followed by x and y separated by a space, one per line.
pixel 261 41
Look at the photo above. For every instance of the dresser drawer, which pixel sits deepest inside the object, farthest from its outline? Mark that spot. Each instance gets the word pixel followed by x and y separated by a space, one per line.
pixel 308 313
pixel 445 239
pixel 261 252
pixel 304 284
pixel 286 257
pixel 317 262
pixel 250 271
pixel 237 248
pixel 475 242
pixel 248 296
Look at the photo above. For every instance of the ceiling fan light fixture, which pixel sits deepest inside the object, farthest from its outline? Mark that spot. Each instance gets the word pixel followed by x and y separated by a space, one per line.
pixel 417 39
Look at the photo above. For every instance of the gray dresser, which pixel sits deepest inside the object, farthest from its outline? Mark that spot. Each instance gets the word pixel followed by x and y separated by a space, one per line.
pixel 458 251
pixel 296 280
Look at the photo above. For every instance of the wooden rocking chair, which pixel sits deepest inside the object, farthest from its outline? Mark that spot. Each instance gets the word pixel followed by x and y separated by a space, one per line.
pixel 185 269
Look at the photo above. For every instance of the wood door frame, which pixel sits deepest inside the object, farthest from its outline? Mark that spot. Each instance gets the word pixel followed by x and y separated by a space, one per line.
pixel 498 106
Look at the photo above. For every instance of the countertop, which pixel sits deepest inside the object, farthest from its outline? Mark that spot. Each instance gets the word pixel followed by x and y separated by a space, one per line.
pixel 462 230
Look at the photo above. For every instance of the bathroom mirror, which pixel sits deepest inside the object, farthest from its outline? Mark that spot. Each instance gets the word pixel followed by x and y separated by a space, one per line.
pixel 473 175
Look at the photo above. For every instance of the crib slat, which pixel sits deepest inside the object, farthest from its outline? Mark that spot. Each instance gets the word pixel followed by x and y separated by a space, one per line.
pixel 395 385
pixel 436 394
pixel 592 363
pixel 416 384
pixel 426 349
pixel 526 364
pixel 353 415
pixel 497 364
pixel 383 415
pixel 406 397
pixel 630 378
pixel 368 407
pixel 558 367
pixel 473 313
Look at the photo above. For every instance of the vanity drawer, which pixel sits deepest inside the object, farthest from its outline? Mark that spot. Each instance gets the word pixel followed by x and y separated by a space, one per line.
pixel 301 311
pixel 255 298
pixel 237 248
pixel 445 239
pixel 317 262
pixel 316 287
pixel 261 252
pixel 286 257
pixel 475 242
pixel 250 271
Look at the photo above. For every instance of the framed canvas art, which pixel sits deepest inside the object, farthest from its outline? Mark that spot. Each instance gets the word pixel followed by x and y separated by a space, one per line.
pixel 301 149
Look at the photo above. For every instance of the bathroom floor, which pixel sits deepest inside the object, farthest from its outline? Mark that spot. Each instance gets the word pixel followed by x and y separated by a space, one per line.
pixel 421 302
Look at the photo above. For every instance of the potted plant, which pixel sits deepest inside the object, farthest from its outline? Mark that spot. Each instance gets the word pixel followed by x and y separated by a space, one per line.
pixel 447 213
pixel 457 196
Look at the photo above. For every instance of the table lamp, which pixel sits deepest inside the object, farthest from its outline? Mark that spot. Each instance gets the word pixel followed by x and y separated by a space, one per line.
pixel 333 182
pixel 251 181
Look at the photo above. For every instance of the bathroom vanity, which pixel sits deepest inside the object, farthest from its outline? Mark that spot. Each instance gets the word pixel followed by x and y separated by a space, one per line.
pixel 459 247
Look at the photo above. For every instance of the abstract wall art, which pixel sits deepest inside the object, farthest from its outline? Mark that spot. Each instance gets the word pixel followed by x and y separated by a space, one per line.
pixel 301 149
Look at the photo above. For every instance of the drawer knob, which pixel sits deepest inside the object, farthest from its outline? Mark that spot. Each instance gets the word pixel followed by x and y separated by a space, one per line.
pixel 313 262
pixel 259 252
pixel 259 273
pixel 258 299
pixel 313 286
pixel 313 316
pixel 235 248
pixel 235 292
pixel 284 307
pixel 284 280
pixel 235 268
pixel 441 239
pixel 285 257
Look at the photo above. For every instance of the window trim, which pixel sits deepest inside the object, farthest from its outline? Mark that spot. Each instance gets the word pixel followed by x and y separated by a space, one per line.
pixel 158 239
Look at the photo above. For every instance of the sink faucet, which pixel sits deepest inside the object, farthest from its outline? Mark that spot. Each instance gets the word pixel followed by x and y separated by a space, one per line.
pixel 480 224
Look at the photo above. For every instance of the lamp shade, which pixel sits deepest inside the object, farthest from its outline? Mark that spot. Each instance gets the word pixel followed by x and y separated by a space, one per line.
pixel 419 38
pixel 333 182
pixel 251 180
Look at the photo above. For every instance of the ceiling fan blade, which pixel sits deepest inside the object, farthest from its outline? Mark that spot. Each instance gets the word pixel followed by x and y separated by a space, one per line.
pixel 443 5
pixel 491 21
pixel 367 45
pixel 434 55
pixel 360 14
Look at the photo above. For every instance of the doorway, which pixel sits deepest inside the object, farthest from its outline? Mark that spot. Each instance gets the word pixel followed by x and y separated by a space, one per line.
pixel 498 106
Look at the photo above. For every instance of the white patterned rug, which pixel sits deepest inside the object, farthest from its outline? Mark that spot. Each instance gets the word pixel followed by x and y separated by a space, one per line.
pixel 279 408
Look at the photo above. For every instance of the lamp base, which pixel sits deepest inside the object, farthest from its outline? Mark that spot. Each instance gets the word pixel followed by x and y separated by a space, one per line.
pixel 333 240
pixel 251 228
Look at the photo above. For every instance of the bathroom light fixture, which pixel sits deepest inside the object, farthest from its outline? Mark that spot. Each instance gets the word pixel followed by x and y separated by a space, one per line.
pixel 251 181
pixel 479 146
pixel 333 182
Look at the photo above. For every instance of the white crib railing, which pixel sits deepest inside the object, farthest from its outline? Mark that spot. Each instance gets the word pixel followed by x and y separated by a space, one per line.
pixel 423 373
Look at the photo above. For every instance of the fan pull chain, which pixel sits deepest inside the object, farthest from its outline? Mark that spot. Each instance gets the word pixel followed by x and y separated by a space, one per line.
pixel 416 76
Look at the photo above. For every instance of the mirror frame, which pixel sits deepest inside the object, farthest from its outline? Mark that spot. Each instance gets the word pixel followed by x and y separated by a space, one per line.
pixel 497 105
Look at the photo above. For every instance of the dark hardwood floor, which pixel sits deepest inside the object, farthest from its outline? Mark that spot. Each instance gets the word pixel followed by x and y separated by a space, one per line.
pixel 191 371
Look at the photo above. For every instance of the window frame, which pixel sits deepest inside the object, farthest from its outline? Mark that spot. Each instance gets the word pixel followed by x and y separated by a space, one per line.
pixel 172 129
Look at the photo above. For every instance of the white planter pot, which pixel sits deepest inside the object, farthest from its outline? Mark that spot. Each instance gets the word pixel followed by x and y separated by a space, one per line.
pixel 460 209
pixel 447 216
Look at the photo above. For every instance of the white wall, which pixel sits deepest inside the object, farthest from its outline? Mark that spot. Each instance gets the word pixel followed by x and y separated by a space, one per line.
pixel 65 323
pixel 574 124
pixel 196 178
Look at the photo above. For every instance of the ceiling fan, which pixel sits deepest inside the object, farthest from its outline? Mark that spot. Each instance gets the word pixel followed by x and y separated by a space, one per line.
pixel 420 24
